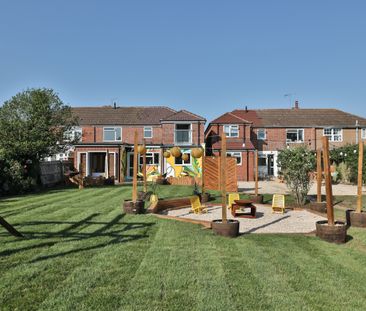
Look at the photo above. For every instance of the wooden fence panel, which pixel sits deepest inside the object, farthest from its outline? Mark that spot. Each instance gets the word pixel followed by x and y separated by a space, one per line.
pixel 212 174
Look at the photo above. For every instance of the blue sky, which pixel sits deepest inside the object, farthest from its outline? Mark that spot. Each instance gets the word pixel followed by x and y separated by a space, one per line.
pixel 205 56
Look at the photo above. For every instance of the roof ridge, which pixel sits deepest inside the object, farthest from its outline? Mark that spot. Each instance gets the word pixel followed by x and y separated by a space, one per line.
pixel 231 113
pixel 193 114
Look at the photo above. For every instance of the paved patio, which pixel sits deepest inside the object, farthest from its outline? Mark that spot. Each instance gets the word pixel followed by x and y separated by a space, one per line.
pixel 299 221
pixel 277 187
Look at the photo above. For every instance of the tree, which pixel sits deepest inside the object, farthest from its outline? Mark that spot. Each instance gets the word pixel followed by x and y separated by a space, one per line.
pixel 32 126
pixel 34 123
pixel 296 165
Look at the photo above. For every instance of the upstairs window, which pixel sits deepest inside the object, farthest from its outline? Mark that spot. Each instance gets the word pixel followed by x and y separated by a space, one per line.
pixel 261 134
pixel 231 130
pixel 148 132
pixel 363 133
pixel 73 135
pixel 183 133
pixel 236 155
pixel 334 134
pixel 295 136
pixel 112 134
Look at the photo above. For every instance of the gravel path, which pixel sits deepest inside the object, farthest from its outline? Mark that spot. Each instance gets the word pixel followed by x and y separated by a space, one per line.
pixel 266 222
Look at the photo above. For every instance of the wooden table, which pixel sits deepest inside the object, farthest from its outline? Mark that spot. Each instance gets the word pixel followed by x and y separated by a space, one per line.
pixel 240 205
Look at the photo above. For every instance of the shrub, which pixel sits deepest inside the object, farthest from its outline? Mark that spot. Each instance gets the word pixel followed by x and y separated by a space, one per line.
pixel 296 165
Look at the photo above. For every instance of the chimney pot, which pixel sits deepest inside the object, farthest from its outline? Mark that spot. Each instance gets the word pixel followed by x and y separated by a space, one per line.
pixel 296 104
pixel 114 105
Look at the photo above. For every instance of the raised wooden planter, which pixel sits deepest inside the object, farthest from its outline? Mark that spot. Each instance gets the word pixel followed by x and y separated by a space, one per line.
pixel 164 204
pixel 229 229
pixel 184 181
pixel 334 234
pixel 356 219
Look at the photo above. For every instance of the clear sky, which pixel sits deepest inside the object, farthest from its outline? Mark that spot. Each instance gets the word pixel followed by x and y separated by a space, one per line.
pixel 205 56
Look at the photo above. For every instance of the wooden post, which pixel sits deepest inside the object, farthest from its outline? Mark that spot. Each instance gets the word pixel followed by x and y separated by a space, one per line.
pixel 328 181
pixel 359 177
pixel 256 172
pixel 144 168
pixel 203 171
pixel 135 168
pixel 319 176
pixel 223 176
pixel 121 164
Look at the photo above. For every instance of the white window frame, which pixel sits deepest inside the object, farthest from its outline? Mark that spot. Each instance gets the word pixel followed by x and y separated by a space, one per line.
pixel 363 133
pixel 332 134
pixel 184 163
pixel 151 130
pixel 114 128
pixel 265 134
pixel 297 141
pixel 190 134
pixel 71 134
pixel 150 154
pixel 232 154
pixel 230 128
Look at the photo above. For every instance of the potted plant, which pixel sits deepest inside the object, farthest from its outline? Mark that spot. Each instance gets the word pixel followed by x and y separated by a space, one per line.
pixel 224 226
pixel 256 198
pixel 134 206
pixel 357 218
pixel 330 230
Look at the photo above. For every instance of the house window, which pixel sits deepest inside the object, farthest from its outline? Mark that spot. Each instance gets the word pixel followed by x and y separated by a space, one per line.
pixel 363 133
pixel 112 134
pixel 179 161
pixel 261 134
pixel 334 134
pixel 295 136
pixel 231 130
pixel 152 158
pixel 148 132
pixel 73 135
pixel 183 134
pixel 236 155
pixel 262 160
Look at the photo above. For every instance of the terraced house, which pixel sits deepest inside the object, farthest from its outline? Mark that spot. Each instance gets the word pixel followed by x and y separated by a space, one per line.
pixel 107 133
pixel 271 130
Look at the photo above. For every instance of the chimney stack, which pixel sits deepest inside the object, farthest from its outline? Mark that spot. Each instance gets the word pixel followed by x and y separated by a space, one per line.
pixel 246 108
pixel 114 105
pixel 296 104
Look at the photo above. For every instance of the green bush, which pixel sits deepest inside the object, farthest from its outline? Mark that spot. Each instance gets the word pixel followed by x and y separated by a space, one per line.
pixel 296 165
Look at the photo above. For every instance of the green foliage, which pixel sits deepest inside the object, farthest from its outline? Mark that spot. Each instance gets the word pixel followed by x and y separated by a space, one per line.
pixel 344 172
pixel 349 156
pixel 296 165
pixel 32 124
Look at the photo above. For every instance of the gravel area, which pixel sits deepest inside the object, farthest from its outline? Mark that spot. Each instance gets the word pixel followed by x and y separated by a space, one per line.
pixel 299 221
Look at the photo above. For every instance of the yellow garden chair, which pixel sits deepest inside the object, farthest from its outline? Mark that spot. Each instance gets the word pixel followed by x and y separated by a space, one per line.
pixel 196 205
pixel 231 199
pixel 278 203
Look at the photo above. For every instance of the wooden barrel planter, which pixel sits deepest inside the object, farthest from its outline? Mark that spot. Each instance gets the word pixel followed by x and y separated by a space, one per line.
pixel 130 207
pixel 334 234
pixel 318 207
pixel 355 219
pixel 257 199
pixel 229 229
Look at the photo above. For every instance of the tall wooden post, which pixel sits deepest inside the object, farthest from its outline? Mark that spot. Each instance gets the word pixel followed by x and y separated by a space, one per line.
pixel 144 168
pixel 328 181
pixel 319 177
pixel 135 168
pixel 223 176
pixel 359 177
pixel 256 172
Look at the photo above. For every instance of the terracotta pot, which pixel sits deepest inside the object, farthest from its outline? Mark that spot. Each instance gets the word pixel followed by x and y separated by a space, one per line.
pixel 318 207
pixel 334 234
pixel 130 207
pixel 197 152
pixel 257 198
pixel 355 219
pixel 229 229
pixel 175 152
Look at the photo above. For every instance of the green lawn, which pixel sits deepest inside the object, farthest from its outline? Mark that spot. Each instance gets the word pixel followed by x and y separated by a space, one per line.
pixel 82 253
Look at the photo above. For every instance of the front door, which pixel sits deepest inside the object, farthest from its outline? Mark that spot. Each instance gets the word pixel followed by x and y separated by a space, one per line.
pixel 270 163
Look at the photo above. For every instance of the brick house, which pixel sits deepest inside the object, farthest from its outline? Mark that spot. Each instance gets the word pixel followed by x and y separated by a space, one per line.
pixel 271 130
pixel 107 133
